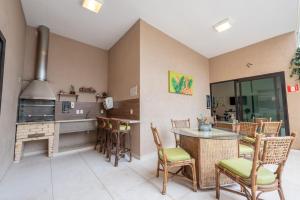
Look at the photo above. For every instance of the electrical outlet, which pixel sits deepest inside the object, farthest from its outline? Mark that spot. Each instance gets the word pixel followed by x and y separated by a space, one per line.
pixel 81 111
pixel 133 91
pixel 77 112
pixel 131 111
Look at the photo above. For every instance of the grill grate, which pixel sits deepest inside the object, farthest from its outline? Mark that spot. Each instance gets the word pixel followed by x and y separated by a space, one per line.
pixel 31 110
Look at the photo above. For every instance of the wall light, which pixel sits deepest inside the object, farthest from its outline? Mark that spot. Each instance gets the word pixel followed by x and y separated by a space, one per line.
pixel 222 25
pixel 92 5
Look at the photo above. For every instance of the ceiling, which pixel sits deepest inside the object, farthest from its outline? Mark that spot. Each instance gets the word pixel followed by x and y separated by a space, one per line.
pixel 189 21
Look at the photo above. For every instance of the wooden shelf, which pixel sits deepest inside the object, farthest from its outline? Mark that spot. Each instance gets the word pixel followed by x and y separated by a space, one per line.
pixel 97 98
pixel 67 95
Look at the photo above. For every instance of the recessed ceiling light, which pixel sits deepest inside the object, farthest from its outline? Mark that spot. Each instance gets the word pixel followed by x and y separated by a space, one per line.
pixel 222 25
pixel 92 5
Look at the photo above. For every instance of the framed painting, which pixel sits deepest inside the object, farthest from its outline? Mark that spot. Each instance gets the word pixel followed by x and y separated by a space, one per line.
pixel 180 83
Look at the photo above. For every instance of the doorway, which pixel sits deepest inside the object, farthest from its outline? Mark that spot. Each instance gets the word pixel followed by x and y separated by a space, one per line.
pixel 246 98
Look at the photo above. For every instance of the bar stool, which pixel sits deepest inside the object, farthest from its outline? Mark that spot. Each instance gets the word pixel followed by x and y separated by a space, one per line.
pixel 117 141
pixel 107 132
pixel 100 133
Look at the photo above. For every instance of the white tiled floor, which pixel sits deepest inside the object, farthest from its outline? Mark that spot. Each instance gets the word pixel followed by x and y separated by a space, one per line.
pixel 88 176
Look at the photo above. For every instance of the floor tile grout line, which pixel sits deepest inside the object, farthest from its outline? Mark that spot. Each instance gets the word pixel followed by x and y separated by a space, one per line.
pixel 104 186
pixel 147 180
pixel 128 167
pixel 51 172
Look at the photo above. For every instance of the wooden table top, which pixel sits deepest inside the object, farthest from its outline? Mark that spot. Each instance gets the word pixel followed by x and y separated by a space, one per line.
pixel 129 121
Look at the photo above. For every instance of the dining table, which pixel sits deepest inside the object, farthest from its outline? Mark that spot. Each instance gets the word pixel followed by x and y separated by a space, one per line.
pixel 208 148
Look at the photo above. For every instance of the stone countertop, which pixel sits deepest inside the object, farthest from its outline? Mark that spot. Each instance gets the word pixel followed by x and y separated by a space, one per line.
pixel 130 121
pixel 58 121
pixel 42 122
pixel 75 120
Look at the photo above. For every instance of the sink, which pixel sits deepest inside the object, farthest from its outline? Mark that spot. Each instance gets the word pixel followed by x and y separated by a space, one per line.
pixel 77 125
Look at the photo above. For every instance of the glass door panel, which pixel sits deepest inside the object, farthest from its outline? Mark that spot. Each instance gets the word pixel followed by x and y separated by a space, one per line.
pixel 264 98
pixel 261 97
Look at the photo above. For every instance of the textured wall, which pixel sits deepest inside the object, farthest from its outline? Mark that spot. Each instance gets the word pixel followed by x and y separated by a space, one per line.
pixel 13 27
pixel 272 55
pixel 124 65
pixel 124 73
pixel 159 54
pixel 69 62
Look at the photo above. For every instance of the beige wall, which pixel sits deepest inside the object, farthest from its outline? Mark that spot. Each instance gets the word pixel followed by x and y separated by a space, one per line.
pixel 124 65
pixel 269 56
pixel 69 62
pixel 12 25
pixel 124 73
pixel 159 54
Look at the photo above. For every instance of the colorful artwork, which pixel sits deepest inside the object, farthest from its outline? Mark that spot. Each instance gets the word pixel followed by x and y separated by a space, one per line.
pixel 180 83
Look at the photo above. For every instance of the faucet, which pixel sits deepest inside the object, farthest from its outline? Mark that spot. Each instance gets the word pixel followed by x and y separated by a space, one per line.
pixel 87 114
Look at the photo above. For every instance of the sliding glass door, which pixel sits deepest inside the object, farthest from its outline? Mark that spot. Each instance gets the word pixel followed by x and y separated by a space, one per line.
pixel 262 96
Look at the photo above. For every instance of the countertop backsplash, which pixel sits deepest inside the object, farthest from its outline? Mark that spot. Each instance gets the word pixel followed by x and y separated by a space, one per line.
pixel 90 110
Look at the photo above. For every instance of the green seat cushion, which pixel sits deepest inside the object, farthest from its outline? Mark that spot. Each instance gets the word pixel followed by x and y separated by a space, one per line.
pixel 242 167
pixel 244 149
pixel 175 154
pixel 122 127
pixel 248 139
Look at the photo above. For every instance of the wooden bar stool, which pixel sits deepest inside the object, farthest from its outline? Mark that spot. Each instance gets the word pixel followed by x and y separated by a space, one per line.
pixel 107 132
pixel 100 134
pixel 117 140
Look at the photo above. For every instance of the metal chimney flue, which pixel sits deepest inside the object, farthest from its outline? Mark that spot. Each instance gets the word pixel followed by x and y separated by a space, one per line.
pixel 39 88
pixel 42 53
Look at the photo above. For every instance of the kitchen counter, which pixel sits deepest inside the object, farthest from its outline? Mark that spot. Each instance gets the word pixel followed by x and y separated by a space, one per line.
pixel 58 121
pixel 71 126
pixel 42 122
pixel 75 120
pixel 65 128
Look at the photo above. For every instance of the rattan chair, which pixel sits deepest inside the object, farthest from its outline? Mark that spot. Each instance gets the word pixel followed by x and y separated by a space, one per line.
pixel 246 145
pixel 261 119
pixel 270 128
pixel 180 124
pixel 169 158
pixel 249 131
pixel 252 176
